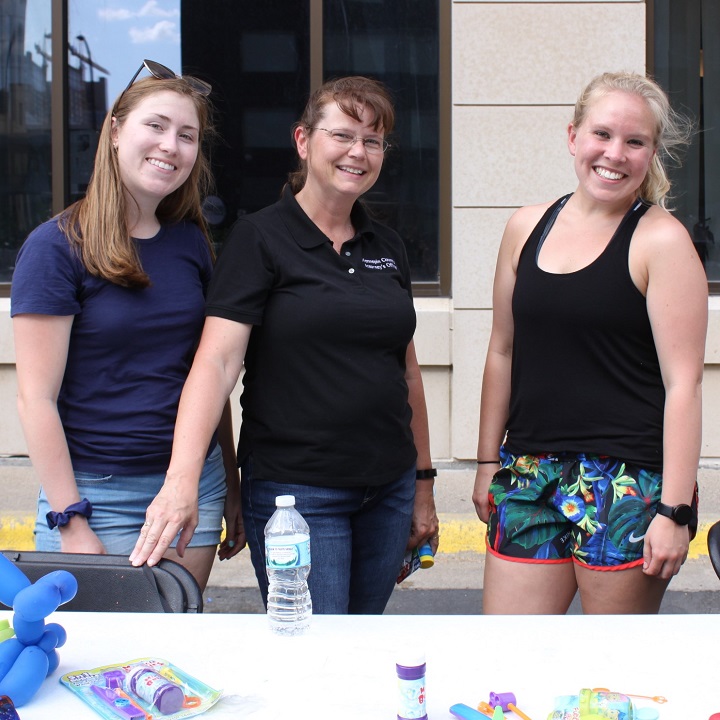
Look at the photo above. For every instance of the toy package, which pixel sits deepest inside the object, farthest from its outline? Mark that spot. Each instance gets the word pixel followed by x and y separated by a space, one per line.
pixel 592 705
pixel 421 557
pixel 599 704
pixel 141 688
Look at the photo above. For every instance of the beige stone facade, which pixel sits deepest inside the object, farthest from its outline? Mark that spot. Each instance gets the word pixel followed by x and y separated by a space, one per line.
pixel 516 69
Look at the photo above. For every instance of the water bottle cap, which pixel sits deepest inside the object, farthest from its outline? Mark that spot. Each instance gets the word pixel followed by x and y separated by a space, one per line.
pixel 285 501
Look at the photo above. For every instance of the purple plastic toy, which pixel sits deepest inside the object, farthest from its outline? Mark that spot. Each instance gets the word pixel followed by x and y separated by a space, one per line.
pixel 502 699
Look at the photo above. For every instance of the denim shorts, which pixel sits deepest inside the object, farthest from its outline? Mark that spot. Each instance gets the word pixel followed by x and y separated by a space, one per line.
pixel 590 509
pixel 120 502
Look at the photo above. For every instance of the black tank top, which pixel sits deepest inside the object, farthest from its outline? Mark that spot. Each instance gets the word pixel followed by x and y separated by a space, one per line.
pixel 585 372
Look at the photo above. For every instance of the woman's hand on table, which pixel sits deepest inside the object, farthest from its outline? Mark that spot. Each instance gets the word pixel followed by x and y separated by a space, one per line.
pixel 174 510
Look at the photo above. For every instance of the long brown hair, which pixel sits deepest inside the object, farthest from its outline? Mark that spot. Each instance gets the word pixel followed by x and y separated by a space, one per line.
pixel 97 225
pixel 352 95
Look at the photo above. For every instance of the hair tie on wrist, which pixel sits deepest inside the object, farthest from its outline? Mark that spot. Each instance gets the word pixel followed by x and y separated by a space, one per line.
pixel 488 462
pixel 61 519
pixel 425 474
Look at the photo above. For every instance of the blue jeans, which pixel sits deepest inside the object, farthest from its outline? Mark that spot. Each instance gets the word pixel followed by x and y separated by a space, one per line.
pixel 357 538
pixel 120 502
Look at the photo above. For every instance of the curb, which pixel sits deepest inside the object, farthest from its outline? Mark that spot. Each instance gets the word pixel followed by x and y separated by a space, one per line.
pixel 459 533
pixel 17 533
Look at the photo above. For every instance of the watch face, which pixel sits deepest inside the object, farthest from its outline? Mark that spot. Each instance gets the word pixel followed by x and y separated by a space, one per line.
pixel 682 514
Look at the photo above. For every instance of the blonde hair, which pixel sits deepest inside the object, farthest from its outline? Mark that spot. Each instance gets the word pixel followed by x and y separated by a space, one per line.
pixel 352 95
pixel 96 225
pixel 672 130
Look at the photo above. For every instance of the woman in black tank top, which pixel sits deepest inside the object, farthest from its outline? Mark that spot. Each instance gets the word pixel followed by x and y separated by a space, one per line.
pixel 590 420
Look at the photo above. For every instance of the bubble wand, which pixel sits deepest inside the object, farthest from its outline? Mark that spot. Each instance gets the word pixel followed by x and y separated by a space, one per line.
pixel 506 701
pixel 655 698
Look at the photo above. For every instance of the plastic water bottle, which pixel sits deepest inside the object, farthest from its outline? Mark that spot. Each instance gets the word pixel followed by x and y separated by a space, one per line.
pixel 287 560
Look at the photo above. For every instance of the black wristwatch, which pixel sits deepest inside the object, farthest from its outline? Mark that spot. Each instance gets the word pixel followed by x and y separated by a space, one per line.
pixel 681 514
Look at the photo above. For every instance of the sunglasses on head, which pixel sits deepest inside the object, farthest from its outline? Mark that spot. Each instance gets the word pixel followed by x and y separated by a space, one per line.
pixel 165 73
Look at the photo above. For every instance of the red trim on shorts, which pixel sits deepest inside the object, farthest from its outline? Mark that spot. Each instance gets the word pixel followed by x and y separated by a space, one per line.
pixel 611 568
pixel 561 561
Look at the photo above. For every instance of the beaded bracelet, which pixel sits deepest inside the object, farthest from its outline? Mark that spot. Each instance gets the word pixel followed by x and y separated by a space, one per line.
pixel 428 474
pixel 61 519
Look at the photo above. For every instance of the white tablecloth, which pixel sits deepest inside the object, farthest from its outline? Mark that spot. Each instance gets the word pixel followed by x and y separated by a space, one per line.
pixel 344 667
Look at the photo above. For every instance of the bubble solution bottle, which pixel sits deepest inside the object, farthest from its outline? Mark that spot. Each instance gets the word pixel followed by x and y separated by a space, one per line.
pixel 411 686
pixel 287 561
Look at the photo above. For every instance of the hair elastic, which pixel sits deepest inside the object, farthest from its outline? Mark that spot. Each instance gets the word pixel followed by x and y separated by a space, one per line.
pixel 60 519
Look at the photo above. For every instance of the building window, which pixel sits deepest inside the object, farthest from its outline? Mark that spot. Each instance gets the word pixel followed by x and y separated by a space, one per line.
pixel 397 41
pixel 260 82
pixel 25 146
pixel 686 61
pixel 275 53
pixel 263 60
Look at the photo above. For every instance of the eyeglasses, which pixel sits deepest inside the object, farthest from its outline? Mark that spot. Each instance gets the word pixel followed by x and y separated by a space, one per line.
pixel 165 73
pixel 372 145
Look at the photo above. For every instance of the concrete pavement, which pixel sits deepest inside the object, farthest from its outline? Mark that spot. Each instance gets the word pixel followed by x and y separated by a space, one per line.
pixel 452 586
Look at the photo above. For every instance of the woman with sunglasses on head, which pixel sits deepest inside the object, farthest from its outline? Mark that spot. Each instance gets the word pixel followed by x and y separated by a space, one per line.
pixel 314 297
pixel 107 305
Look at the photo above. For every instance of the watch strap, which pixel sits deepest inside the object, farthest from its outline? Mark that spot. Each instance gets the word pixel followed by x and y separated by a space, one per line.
pixel 680 514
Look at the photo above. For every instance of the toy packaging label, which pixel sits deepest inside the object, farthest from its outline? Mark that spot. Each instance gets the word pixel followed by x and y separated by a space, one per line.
pixel 411 563
pixel 139 689
pixel 593 705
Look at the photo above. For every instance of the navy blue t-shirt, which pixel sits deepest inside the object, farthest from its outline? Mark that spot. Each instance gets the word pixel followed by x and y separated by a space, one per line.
pixel 130 349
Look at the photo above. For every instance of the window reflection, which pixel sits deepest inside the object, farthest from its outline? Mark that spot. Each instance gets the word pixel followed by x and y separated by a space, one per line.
pixel 105 48
pixel 260 80
pixel 25 172
pixel 257 56
pixel 687 64
pixel 88 102
pixel 396 41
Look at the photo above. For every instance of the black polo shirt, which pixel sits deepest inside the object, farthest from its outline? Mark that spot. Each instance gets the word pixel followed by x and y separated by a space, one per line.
pixel 324 398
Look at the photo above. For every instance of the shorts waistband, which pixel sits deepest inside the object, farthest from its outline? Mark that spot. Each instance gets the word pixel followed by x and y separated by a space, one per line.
pixel 548 457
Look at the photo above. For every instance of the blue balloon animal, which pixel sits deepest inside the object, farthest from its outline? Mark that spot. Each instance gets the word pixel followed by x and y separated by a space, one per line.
pixel 29 657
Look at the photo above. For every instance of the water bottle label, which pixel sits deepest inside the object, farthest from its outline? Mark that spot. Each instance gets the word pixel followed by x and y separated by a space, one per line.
pixel 412 699
pixel 287 554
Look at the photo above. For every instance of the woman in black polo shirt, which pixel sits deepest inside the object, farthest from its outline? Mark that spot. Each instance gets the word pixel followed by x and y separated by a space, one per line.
pixel 315 298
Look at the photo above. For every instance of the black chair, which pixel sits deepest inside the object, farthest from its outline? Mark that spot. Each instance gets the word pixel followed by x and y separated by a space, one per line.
pixel 108 583
pixel 713 541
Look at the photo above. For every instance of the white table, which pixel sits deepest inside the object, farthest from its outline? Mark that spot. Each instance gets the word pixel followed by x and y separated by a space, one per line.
pixel 344 667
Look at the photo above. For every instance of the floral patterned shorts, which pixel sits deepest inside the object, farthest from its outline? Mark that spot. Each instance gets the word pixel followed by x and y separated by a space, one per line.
pixel 591 509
